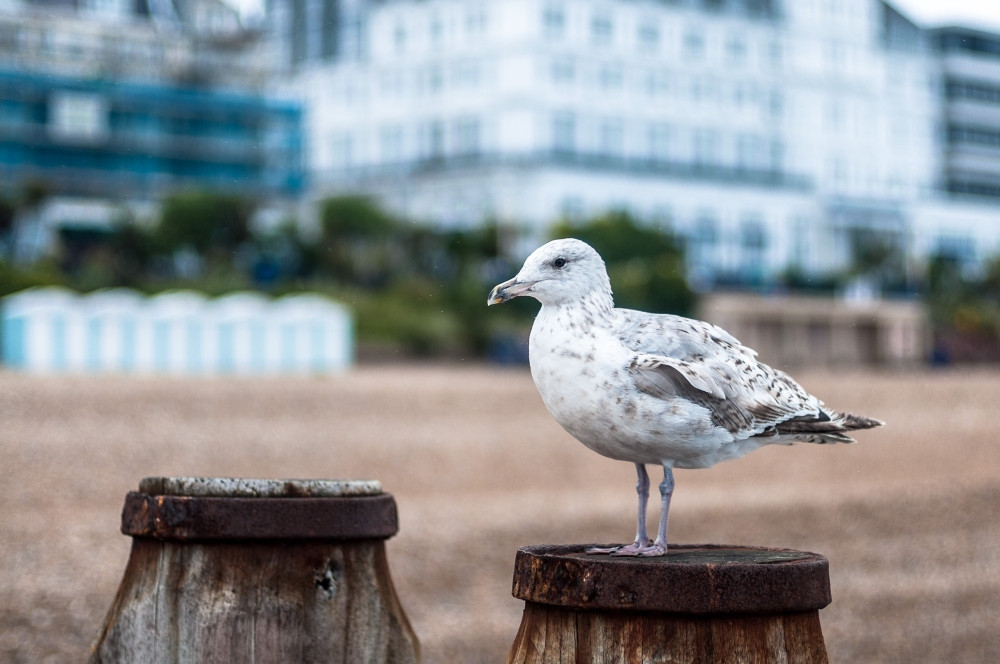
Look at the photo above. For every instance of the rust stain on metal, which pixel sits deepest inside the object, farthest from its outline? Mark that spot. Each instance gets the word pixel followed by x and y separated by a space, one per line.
pixel 691 579
pixel 211 518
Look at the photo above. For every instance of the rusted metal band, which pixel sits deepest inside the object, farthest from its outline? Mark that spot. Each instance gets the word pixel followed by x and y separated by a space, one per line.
pixel 690 579
pixel 196 518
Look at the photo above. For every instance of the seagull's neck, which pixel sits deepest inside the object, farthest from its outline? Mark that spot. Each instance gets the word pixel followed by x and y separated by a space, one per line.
pixel 595 308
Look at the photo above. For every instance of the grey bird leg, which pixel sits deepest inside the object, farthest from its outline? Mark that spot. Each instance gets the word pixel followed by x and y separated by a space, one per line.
pixel 659 547
pixel 642 490
pixel 666 491
pixel 641 542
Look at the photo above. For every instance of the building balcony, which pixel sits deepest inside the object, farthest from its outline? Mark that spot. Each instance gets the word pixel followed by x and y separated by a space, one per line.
pixel 445 164
pixel 968 112
pixel 38 137
pixel 977 67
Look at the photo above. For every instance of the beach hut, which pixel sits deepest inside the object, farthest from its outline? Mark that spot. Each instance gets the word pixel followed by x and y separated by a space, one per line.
pixel 315 334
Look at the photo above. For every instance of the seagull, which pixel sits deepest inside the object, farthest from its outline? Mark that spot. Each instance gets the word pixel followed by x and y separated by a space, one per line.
pixel 654 388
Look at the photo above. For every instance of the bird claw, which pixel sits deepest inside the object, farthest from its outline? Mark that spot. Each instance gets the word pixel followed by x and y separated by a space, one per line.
pixel 648 550
pixel 601 550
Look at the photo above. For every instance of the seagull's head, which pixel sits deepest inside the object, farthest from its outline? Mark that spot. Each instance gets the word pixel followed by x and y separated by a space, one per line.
pixel 560 272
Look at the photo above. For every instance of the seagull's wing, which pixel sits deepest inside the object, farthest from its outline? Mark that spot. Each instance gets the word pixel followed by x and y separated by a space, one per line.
pixel 680 357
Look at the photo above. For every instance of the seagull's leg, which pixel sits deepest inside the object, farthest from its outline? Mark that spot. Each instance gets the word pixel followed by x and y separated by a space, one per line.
pixel 642 490
pixel 641 538
pixel 659 547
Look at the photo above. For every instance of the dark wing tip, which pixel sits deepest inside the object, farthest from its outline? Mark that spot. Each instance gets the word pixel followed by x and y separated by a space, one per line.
pixel 855 422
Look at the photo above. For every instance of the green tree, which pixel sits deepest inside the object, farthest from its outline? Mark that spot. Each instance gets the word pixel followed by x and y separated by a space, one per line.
pixel 212 224
pixel 7 213
pixel 646 264
pixel 133 250
pixel 355 240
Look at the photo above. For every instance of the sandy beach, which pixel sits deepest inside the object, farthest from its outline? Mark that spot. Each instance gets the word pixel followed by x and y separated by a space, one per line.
pixel 907 516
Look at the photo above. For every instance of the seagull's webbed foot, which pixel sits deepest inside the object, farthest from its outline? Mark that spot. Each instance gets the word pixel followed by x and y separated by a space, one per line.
pixel 615 550
pixel 651 550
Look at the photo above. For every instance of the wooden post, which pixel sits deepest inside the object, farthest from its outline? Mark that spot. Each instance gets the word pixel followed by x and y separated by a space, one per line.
pixel 697 604
pixel 226 570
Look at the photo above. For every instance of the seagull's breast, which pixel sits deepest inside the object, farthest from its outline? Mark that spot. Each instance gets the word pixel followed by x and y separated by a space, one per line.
pixel 581 372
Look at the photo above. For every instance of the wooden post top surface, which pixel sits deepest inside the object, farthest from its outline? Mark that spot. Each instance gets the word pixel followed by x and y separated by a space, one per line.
pixel 241 487
pixel 690 579
pixel 228 509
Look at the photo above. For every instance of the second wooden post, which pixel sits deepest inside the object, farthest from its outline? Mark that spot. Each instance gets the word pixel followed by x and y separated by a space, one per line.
pixel 697 604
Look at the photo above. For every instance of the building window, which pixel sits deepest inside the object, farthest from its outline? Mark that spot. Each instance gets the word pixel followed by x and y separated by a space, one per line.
pixel 475 20
pixel 433 147
pixel 564 133
pixel 658 83
pixel 837 170
pixel 753 237
pixel 391 83
pixel 751 152
pixel 399 37
pixel 705 230
pixel 391 144
pixel 466 75
pixel 973 187
pixel 958 248
pixel 554 21
pixel 601 29
pixel 777 155
pixel 835 115
pixel 775 104
pixel 702 242
pixel 970 134
pixel 436 30
pixel 435 80
pixel 563 71
pixel 753 249
pixel 467 136
pixel 736 49
pixel 694 45
pixel 659 142
pixel 10 36
pixel 988 94
pixel 612 138
pixel 78 117
pixel 774 53
pixel 706 143
pixel 649 35
pixel 342 148
pixel 611 77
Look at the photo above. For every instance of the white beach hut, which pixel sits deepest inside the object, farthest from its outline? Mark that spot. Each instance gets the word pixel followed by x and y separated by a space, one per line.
pixel 239 322
pixel 315 334
pixel 41 330
pixel 174 335
pixel 111 321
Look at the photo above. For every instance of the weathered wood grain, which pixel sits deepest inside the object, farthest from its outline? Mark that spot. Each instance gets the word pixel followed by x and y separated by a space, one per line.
pixel 556 635
pixel 256 602
pixel 206 583
pixel 704 605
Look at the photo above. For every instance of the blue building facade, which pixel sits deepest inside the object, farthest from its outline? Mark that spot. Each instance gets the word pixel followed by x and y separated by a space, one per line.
pixel 97 137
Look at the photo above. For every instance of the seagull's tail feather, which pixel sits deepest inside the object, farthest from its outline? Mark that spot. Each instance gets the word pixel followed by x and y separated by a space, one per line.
pixel 827 428
pixel 854 422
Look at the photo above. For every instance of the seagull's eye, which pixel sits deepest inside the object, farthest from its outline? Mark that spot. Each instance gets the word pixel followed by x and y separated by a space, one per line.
pixel 559 262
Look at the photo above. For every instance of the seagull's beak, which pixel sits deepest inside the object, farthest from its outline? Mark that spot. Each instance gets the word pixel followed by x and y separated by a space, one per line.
pixel 508 290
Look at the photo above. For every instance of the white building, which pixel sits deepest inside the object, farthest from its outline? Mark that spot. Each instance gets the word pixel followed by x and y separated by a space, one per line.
pixel 770 134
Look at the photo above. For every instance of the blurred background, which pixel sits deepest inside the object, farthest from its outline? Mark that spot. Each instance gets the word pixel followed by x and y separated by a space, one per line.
pixel 233 236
